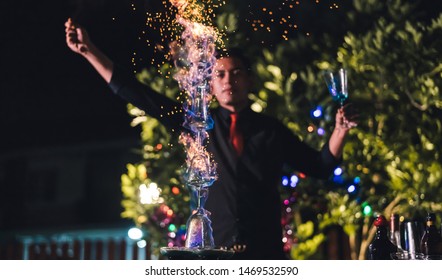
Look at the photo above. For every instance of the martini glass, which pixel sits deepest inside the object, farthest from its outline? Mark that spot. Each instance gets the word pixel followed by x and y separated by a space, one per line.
pixel 199 226
pixel 337 87
pixel 199 177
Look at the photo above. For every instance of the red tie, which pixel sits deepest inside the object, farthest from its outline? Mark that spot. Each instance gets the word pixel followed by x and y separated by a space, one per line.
pixel 235 134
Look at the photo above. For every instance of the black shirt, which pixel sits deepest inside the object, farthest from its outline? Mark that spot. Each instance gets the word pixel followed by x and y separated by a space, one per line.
pixel 244 201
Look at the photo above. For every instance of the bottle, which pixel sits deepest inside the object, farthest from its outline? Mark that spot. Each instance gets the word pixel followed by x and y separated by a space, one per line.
pixel 395 234
pixel 431 241
pixel 381 247
pixel 411 239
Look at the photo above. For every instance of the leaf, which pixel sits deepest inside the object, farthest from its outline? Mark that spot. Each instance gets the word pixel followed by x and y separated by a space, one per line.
pixel 272 86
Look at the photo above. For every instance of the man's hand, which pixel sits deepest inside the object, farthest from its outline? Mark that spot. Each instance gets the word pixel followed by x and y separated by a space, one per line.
pixel 78 41
pixel 346 117
pixel 77 38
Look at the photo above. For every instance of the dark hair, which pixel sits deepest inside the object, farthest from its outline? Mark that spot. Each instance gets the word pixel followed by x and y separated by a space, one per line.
pixel 235 53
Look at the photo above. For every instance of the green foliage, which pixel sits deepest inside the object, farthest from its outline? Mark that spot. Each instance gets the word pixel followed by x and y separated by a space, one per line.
pixel 307 249
pixel 161 162
pixel 396 69
pixel 395 78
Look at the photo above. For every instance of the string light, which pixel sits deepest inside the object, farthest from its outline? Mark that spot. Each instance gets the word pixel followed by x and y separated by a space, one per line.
pixel 142 244
pixel 338 171
pixel 366 209
pixel 285 180
pixel 294 181
pixel 351 188
pixel 338 179
pixel 175 190
pixel 317 112
pixel 172 228
pixel 150 195
pixel 135 233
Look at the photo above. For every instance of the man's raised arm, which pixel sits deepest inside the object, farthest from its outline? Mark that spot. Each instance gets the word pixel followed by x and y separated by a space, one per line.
pixel 78 41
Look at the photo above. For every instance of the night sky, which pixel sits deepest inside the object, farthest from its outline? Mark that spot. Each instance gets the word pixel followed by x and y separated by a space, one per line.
pixel 50 95
pixel 65 138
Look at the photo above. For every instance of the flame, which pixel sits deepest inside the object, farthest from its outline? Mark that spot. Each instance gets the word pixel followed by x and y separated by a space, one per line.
pixel 194 57
pixel 198 160
pixel 194 149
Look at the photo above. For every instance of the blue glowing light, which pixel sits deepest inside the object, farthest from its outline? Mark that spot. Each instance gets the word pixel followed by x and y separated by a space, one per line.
pixel 351 188
pixel 285 180
pixel 317 112
pixel 294 181
pixel 321 131
pixel 357 180
pixel 338 179
pixel 338 171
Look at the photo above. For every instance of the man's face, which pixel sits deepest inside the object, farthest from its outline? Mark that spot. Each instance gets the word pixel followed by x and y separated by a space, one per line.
pixel 231 83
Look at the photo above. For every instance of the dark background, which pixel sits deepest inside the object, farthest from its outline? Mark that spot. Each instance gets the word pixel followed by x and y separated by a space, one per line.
pixel 50 94
pixel 65 138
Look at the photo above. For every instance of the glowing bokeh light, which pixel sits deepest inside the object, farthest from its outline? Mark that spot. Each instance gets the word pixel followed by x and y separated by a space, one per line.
pixel 172 227
pixel 367 210
pixel 317 112
pixel 135 233
pixel 338 171
pixel 175 190
pixel 294 181
pixel 149 195
pixel 285 180
pixel 142 244
pixel 351 188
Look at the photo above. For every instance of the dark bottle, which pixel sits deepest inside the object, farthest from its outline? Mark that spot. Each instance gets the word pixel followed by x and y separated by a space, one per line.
pixel 431 241
pixel 381 247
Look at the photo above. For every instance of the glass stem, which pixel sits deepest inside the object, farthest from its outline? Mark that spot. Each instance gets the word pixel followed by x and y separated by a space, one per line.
pixel 198 196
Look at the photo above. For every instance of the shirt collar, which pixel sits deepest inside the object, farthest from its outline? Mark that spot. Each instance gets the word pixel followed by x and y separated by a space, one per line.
pixel 225 114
